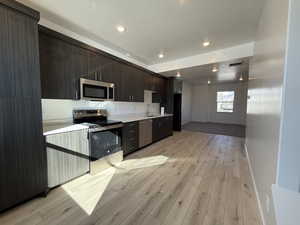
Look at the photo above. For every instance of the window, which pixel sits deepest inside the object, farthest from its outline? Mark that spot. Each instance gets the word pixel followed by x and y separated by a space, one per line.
pixel 225 101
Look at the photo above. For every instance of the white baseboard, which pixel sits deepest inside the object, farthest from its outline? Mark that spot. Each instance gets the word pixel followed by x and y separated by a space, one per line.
pixel 255 187
pixel 185 122
pixel 287 204
pixel 217 122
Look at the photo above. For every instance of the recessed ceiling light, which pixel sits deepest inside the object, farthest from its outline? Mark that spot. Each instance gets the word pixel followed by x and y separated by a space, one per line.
pixel 206 43
pixel 215 69
pixel 121 28
pixel 178 74
pixel 161 55
pixel 209 82
pixel 93 4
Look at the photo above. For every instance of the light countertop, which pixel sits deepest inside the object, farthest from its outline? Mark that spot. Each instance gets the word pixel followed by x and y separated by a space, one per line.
pixel 127 118
pixel 63 126
pixel 50 128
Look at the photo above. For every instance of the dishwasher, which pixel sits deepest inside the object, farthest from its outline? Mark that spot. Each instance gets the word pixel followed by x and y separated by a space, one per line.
pixel 145 132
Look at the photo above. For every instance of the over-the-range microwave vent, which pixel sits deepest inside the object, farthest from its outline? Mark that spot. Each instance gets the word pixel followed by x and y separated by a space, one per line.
pixel 235 64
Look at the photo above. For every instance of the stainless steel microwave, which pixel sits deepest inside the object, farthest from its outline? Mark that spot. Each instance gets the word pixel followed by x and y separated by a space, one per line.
pixel 96 90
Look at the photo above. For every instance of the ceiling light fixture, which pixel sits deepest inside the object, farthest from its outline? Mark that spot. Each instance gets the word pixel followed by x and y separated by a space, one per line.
pixel 206 43
pixel 215 69
pixel 121 28
pixel 241 78
pixel 209 82
pixel 178 74
pixel 161 55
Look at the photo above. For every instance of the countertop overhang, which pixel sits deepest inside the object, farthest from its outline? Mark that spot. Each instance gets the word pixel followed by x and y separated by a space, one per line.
pixel 63 126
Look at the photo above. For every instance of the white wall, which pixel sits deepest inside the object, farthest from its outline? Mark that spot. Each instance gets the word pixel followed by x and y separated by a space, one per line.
pixel 186 103
pixel 200 108
pixel 289 157
pixel 264 105
pixel 204 106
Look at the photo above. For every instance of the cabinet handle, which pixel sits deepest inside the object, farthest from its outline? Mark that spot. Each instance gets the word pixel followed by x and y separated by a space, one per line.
pixel 76 94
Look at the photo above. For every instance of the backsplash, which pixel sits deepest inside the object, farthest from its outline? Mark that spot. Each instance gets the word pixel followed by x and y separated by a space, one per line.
pixel 54 109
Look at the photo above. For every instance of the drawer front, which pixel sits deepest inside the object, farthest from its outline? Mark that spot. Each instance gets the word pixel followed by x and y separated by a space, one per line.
pixel 130 137
pixel 162 127
pixel 157 129
pixel 170 125
pixel 145 132
pixel 131 145
pixel 131 129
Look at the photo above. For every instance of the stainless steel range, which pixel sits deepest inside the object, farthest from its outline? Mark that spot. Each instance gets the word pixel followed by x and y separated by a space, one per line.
pixel 105 136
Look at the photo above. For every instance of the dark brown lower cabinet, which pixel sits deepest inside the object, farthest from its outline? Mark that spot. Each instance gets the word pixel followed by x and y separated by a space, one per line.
pixel 23 168
pixel 162 128
pixel 130 137
pixel 168 123
pixel 156 129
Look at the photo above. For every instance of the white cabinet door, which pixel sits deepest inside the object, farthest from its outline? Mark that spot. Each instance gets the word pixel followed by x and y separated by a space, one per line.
pixel 67 156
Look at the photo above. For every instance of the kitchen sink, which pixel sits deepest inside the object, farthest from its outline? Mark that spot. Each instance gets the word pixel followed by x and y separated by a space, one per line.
pixel 152 115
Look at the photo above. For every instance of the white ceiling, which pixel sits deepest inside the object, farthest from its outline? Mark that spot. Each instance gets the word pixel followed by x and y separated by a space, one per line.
pixel 202 74
pixel 175 27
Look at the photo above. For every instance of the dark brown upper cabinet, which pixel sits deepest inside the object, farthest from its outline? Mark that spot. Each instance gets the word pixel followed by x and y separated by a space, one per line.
pixel 132 84
pixel 112 73
pixel 62 64
pixel 64 61
pixel 159 94
pixel 78 69
pixel 138 86
pixel 148 81
pixel 96 64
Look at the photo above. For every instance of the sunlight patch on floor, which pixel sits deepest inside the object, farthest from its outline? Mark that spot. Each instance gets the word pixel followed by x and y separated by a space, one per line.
pixel 89 192
pixel 132 164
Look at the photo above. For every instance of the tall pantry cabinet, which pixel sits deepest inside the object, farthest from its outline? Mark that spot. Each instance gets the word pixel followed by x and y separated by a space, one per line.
pixel 23 169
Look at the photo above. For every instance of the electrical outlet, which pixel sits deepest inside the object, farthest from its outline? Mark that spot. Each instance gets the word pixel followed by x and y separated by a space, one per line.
pixel 268 203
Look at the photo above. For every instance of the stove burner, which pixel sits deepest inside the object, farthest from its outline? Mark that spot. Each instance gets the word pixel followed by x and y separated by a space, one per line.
pixel 94 119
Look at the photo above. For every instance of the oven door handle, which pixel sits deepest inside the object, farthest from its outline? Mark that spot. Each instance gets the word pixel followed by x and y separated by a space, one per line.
pixel 98 129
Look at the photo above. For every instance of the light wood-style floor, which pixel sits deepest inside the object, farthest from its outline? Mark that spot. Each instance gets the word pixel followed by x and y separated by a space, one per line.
pixel 191 178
